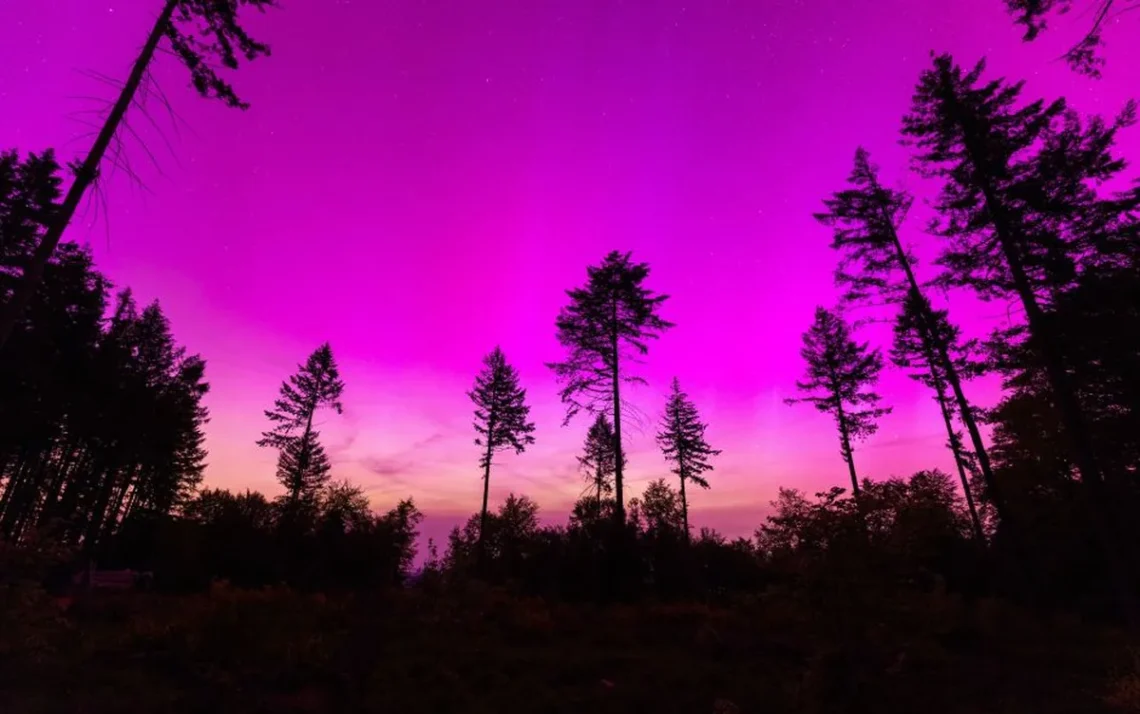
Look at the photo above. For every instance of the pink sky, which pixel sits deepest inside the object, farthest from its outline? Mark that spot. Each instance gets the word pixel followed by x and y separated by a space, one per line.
pixel 417 182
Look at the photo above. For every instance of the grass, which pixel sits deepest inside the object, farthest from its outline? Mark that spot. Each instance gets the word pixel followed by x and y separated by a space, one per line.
pixel 483 650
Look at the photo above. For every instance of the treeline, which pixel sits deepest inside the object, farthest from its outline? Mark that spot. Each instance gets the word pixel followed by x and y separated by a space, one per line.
pixel 100 408
pixel 1032 212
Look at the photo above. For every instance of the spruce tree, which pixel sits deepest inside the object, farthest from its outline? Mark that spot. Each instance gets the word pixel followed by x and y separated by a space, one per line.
pixel 501 419
pixel 1008 214
pixel 302 464
pixel 101 415
pixel 877 267
pixel 1017 212
pixel 838 381
pixel 682 441
pixel 202 34
pixel 303 468
pixel 598 461
pixel 912 332
pixel 608 324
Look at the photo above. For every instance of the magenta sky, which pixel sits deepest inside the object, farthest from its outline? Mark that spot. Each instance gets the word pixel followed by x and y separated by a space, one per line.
pixel 418 181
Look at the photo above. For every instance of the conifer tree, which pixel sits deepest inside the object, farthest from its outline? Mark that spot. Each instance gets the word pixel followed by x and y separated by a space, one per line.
pixel 29 196
pixel 838 381
pixel 682 441
pixel 608 324
pixel 302 464
pixel 1018 212
pixel 501 418
pixel 100 416
pixel 202 34
pixel 876 266
pixel 1006 211
pixel 910 351
pixel 303 468
pixel 598 460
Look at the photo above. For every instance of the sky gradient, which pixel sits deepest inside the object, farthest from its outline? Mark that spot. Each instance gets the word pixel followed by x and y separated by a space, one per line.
pixel 417 182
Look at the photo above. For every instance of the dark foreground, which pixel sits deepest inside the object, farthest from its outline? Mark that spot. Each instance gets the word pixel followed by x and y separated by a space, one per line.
pixel 485 651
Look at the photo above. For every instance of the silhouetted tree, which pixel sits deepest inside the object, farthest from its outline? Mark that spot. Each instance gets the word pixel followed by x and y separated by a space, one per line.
pixel 303 466
pixel 598 460
pixel 398 530
pixel 915 325
pixel 238 537
pixel 1000 215
pixel 658 510
pixel 1084 56
pixel 344 507
pixel 608 323
pixel 507 541
pixel 682 441
pixel 29 196
pixel 100 418
pixel 838 381
pixel 1095 321
pixel 1018 210
pixel 877 267
pixel 200 33
pixel 501 414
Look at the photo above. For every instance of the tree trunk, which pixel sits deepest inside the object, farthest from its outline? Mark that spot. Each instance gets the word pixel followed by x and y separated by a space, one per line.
pixel 486 495
pixel 11 485
pixel 942 353
pixel 31 501
pixel 956 449
pixel 684 510
pixel 97 514
pixel 84 177
pixel 849 457
pixel 848 452
pixel 18 494
pixel 619 462
pixel 68 455
pixel 112 520
pixel 302 465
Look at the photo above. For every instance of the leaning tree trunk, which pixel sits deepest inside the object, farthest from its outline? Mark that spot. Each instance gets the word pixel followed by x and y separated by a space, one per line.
pixel 85 175
pixel 941 352
pixel 956 449
pixel 845 446
pixel 849 457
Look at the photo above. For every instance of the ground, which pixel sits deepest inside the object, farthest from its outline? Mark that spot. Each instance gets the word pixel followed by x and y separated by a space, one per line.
pixel 481 650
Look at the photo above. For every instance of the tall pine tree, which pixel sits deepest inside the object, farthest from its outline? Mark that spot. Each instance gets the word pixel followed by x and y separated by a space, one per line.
pixel 202 34
pixel 608 323
pixel 302 465
pixel 682 441
pixel 1009 216
pixel 877 267
pixel 100 416
pixel 838 381
pixel 1018 213
pixel 501 419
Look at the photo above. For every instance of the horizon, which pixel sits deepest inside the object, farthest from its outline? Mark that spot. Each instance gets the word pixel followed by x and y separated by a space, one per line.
pixel 511 149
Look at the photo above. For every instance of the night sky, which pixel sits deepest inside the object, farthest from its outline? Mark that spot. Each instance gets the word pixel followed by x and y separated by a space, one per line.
pixel 417 182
